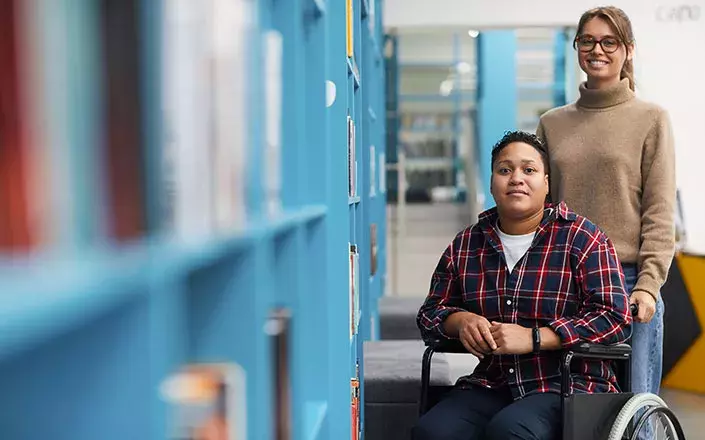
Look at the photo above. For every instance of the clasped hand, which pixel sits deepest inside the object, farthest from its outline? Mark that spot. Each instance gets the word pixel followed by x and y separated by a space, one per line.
pixel 482 337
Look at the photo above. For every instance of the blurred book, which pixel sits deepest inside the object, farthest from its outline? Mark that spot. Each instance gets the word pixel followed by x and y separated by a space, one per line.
pixel 187 157
pixel 373 172
pixel 279 329
pixel 354 289
pixel 231 27
pixel 373 249
pixel 20 227
pixel 349 28
pixel 206 402
pixel 273 53
pixel 355 404
pixel 352 159
pixel 123 161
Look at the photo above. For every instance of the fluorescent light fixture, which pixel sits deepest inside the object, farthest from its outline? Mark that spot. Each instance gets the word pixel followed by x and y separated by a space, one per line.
pixel 463 67
pixel 473 33
pixel 446 88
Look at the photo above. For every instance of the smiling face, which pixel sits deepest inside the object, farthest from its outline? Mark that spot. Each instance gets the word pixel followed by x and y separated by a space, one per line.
pixel 519 181
pixel 601 53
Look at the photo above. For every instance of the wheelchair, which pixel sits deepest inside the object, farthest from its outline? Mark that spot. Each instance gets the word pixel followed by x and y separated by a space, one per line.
pixel 604 416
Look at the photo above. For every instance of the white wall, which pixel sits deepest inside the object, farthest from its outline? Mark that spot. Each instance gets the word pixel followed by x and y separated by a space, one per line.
pixel 670 65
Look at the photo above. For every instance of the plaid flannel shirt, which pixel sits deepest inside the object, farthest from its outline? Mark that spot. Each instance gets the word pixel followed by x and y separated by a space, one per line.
pixel 569 280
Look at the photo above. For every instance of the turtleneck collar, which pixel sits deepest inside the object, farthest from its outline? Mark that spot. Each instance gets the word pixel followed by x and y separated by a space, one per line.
pixel 605 98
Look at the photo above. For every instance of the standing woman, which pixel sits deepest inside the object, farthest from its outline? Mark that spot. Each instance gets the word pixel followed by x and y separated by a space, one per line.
pixel 612 159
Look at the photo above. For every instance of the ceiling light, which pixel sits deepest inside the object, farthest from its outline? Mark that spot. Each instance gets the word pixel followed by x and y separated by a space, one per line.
pixel 446 88
pixel 463 67
pixel 473 33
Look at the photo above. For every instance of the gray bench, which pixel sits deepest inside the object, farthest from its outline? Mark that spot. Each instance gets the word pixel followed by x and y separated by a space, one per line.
pixel 397 317
pixel 392 384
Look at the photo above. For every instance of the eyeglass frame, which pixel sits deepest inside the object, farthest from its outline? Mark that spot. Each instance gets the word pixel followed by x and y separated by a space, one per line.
pixel 595 42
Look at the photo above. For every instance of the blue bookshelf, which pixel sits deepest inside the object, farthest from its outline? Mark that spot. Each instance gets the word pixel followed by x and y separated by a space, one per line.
pixel 93 326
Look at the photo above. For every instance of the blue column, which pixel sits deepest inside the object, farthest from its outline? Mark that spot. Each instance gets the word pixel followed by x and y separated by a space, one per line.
pixel 570 78
pixel 559 68
pixel 497 96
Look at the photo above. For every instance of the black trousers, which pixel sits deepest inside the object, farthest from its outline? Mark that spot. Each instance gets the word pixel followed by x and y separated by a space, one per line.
pixel 484 414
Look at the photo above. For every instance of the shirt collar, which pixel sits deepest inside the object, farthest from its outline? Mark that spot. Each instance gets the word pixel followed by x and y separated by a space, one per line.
pixel 551 211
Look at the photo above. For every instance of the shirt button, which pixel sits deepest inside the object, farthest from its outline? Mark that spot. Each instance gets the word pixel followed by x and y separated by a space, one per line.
pixel 511 370
pixel 509 302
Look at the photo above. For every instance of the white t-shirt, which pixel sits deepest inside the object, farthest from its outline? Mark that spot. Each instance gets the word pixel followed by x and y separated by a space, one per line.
pixel 515 246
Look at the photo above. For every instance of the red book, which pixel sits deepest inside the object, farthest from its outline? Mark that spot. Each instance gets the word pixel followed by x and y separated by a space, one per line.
pixel 15 231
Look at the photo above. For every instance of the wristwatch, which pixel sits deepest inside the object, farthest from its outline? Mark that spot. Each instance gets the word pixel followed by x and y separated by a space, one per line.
pixel 536 339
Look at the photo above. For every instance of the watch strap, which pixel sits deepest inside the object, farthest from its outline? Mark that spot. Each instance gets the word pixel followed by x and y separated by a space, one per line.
pixel 536 339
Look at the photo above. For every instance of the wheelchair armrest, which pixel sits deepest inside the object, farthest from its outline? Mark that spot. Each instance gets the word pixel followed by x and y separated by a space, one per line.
pixel 618 352
pixel 446 346
pixel 601 351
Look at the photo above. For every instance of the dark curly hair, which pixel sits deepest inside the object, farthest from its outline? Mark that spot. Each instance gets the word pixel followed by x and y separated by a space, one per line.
pixel 524 137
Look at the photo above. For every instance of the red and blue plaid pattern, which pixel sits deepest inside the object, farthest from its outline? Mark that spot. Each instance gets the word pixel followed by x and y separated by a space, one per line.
pixel 570 280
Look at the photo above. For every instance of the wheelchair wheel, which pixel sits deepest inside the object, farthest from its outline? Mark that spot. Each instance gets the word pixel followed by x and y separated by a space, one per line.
pixel 646 416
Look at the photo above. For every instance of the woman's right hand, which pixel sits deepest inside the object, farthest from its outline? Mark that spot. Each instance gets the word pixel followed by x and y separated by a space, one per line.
pixel 475 335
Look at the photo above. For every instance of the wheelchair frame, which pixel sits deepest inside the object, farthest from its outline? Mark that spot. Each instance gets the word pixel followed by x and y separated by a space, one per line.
pixel 584 416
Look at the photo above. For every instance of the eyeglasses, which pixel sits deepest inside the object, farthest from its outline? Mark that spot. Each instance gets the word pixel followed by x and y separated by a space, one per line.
pixel 587 44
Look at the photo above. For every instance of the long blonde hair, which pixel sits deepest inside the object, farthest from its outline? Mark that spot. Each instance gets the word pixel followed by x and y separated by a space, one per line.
pixel 621 24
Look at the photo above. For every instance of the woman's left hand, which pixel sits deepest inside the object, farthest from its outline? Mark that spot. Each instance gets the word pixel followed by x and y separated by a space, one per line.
pixel 511 338
pixel 646 303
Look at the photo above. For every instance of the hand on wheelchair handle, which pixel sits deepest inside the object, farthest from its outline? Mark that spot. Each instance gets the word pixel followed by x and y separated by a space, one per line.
pixel 634 308
pixel 645 306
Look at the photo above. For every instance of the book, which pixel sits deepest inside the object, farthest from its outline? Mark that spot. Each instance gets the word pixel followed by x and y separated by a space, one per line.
pixel 349 28
pixel 373 172
pixel 354 292
pixel 382 181
pixel 351 291
pixel 273 52
pixel 279 329
pixel 352 160
pixel 124 162
pixel 206 402
pixel 355 404
pixel 373 249
pixel 188 150
pixel 16 231
pixel 231 21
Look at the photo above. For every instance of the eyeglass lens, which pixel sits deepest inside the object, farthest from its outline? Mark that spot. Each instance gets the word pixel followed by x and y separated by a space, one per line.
pixel 587 44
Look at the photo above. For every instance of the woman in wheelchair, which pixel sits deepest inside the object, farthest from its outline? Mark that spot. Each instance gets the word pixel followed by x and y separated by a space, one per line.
pixel 528 280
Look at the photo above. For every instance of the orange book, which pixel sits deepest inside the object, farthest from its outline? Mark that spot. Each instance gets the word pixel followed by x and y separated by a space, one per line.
pixel 207 402
pixel 355 407
pixel 16 222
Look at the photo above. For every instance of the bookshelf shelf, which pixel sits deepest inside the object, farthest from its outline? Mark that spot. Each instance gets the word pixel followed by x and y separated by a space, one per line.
pixel 151 257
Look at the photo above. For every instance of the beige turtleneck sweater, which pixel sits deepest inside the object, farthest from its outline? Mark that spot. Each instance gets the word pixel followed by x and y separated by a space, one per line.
pixel 612 160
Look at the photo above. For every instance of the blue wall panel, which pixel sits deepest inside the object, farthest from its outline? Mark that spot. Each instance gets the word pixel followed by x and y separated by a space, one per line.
pixel 497 98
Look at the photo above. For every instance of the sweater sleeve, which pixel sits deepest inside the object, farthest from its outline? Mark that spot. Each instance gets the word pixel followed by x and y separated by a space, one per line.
pixel 658 207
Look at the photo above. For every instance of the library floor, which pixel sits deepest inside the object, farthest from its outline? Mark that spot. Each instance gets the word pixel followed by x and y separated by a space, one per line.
pixel 429 229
